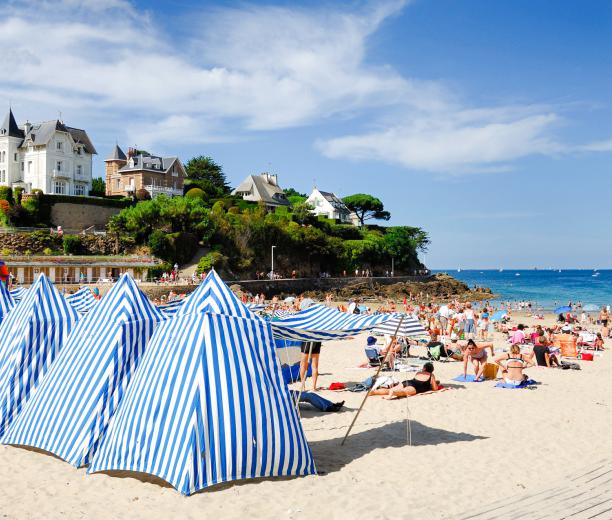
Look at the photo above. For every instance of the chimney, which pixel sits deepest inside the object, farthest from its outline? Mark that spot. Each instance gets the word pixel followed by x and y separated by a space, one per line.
pixel 273 179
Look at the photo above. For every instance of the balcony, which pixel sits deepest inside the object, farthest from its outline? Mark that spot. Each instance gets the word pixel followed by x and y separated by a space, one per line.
pixel 159 190
pixel 60 174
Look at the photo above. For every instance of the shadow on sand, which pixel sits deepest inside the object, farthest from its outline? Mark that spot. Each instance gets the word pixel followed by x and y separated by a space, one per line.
pixel 330 456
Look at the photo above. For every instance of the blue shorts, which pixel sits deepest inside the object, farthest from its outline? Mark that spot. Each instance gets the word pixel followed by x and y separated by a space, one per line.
pixel 469 327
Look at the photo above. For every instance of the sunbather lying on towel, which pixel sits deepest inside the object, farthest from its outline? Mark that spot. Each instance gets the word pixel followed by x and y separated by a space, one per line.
pixel 477 354
pixel 515 363
pixel 423 381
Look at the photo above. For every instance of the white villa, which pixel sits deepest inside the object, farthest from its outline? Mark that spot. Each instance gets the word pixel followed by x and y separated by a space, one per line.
pixel 48 156
pixel 331 206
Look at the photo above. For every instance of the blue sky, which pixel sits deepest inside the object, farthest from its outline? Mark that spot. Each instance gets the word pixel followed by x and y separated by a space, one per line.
pixel 486 123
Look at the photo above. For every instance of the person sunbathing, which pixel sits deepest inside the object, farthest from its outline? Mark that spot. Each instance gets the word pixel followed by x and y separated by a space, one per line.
pixel 515 363
pixel 477 355
pixel 423 381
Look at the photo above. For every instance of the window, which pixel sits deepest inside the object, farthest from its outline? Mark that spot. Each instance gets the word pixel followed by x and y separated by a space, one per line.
pixel 15 157
pixel 60 188
pixel 58 166
pixel 79 189
pixel 3 176
pixel 118 183
pixel 29 166
pixel 60 146
pixel 79 150
pixel 22 166
pixel 79 170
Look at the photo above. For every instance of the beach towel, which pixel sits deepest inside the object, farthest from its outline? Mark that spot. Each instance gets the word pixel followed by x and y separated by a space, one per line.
pixel 524 384
pixel 469 379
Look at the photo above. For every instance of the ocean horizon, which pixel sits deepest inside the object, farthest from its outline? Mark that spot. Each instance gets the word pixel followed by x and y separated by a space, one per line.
pixel 547 288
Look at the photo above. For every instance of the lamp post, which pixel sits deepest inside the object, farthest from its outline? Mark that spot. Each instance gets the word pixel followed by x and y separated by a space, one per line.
pixel 392 267
pixel 272 270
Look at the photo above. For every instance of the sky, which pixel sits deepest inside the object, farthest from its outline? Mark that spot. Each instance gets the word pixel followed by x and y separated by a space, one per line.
pixel 488 124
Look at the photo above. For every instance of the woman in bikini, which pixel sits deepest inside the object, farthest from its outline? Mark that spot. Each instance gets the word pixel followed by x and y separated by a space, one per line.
pixel 477 355
pixel 515 363
pixel 423 381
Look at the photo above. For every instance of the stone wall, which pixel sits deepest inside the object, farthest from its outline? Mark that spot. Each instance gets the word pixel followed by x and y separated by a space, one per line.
pixel 81 216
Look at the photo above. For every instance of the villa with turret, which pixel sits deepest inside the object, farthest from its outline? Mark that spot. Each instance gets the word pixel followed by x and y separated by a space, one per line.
pixel 49 156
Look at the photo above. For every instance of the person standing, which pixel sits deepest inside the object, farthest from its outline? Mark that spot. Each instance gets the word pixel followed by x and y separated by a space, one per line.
pixel 314 349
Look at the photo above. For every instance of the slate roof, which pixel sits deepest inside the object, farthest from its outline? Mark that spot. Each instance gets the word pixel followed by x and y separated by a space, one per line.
pixel 9 126
pixel 335 201
pixel 117 154
pixel 262 190
pixel 152 163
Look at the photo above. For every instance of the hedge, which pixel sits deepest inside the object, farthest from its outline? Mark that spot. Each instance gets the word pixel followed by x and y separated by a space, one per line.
pixel 92 201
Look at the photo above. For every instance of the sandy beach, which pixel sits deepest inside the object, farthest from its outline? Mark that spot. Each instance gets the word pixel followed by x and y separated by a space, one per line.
pixel 471 445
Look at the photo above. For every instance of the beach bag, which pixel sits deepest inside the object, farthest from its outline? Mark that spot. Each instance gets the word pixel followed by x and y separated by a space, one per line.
pixel 337 386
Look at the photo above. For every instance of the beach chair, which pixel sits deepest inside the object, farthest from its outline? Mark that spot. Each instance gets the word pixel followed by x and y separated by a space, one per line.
pixel 374 358
pixel 587 340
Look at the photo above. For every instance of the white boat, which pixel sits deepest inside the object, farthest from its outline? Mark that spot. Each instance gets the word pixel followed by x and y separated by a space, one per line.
pixel 596 274
pixel 517 274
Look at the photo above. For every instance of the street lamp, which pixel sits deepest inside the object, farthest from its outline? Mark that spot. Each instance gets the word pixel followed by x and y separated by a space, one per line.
pixel 392 267
pixel 272 270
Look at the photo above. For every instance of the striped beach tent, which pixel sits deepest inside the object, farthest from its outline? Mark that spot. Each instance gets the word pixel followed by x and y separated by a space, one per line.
pixel 18 293
pixel 69 413
pixel 171 308
pixel 6 301
pixel 410 326
pixel 207 405
pixel 255 307
pixel 31 337
pixel 320 323
pixel 212 295
pixel 83 300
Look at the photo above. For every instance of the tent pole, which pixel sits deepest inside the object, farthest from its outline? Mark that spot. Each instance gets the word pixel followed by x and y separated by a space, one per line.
pixel 297 404
pixel 365 398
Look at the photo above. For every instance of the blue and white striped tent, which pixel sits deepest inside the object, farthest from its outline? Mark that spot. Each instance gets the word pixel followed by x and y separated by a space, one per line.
pixel 207 405
pixel 6 301
pixel 410 326
pixel 18 293
pixel 171 308
pixel 82 300
pixel 290 354
pixel 31 336
pixel 69 413
pixel 212 295
pixel 255 307
pixel 320 323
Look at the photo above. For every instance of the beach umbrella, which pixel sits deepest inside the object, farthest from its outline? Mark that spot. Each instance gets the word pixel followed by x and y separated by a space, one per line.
pixel 207 405
pixel 499 315
pixel 83 300
pixel 31 336
pixel 72 407
pixel 408 326
pixel 320 323
pixel 563 309
pixel 6 301
pixel 590 307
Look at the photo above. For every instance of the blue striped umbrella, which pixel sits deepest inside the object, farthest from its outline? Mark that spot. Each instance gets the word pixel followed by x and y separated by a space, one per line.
pixel 18 293
pixel 320 323
pixel 31 336
pixel 83 300
pixel 171 308
pixel 409 326
pixel 255 307
pixel 73 405
pixel 6 301
pixel 207 405
pixel 212 295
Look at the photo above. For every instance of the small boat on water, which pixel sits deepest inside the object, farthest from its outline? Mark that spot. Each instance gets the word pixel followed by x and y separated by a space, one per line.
pixel 517 274
pixel 596 274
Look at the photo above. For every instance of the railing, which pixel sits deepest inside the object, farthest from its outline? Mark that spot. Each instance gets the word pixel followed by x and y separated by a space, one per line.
pixel 163 189
pixel 66 231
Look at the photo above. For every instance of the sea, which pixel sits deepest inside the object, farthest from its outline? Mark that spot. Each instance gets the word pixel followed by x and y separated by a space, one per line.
pixel 547 288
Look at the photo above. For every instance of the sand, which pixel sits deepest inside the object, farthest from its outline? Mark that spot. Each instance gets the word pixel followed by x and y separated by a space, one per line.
pixel 471 445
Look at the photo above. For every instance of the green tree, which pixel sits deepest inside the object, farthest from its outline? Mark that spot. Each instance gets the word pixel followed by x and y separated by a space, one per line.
pixel 207 175
pixel 302 213
pixel 366 207
pixel 404 243
pixel 98 187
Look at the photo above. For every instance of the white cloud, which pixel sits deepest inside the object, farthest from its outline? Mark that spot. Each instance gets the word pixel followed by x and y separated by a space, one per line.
pixel 257 68
pixel 452 142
